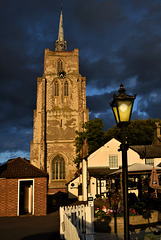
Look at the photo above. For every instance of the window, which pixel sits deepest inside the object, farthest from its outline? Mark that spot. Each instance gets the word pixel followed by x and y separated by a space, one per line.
pixel 60 65
pixel 58 167
pixel 66 88
pixel 113 161
pixel 56 88
pixel 149 161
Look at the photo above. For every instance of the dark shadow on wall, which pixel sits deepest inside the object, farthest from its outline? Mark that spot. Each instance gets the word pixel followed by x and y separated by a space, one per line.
pixel 54 201
pixel 103 225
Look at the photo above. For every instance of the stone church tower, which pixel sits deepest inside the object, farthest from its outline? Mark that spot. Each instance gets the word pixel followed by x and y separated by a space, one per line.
pixel 60 111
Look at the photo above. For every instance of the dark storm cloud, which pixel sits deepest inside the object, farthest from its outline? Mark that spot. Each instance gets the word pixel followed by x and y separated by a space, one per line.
pixel 108 119
pixel 99 103
pixel 14 139
pixel 97 16
pixel 136 63
pixel 143 62
pixel 118 41
pixel 141 58
pixel 100 73
pixel 150 103
pixel 99 107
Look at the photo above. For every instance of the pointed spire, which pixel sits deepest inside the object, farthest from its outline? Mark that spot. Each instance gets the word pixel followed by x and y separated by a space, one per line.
pixel 61 31
pixel 60 44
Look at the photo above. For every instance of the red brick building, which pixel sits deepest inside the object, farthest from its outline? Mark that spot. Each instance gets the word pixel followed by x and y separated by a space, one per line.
pixel 23 189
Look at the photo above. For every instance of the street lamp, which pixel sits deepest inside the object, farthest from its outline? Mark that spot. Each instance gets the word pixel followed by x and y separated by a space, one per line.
pixel 122 105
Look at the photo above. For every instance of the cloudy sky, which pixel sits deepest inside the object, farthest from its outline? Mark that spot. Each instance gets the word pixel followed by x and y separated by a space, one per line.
pixel 119 41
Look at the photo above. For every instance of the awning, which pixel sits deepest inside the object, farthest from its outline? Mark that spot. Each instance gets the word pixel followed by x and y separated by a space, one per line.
pixel 99 172
pixel 138 168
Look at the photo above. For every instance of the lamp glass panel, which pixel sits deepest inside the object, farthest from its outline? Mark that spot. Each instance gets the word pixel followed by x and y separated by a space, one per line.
pixel 124 108
pixel 116 114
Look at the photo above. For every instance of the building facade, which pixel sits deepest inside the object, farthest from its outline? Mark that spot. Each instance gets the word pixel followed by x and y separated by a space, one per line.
pixel 23 189
pixel 104 168
pixel 61 110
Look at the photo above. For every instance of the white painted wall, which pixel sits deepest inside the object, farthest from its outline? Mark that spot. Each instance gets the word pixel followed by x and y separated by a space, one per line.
pixel 73 188
pixel 157 161
pixel 94 186
pixel 100 158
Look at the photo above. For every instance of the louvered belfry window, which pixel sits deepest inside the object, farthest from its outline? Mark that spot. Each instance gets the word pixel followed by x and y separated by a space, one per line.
pixel 58 168
pixel 60 65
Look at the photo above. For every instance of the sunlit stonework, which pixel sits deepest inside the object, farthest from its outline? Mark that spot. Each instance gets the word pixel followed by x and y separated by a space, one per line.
pixel 60 111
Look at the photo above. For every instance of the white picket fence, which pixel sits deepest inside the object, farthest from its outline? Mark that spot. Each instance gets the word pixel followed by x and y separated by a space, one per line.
pixel 77 222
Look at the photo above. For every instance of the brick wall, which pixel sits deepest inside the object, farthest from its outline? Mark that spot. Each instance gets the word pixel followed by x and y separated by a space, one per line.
pixel 8 197
pixel 40 196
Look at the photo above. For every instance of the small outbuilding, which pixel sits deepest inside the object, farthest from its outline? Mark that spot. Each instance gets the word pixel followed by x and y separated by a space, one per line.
pixel 23 189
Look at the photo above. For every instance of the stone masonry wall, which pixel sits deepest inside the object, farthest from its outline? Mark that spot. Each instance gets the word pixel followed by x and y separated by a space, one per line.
pixel 57 117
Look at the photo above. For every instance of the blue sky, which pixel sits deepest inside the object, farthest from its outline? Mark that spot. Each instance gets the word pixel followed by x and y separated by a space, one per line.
pixel 119 41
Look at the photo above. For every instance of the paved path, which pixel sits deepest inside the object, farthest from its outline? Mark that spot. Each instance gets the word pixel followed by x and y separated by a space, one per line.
pixel 146 234
pixel 30 227
pixel 47 228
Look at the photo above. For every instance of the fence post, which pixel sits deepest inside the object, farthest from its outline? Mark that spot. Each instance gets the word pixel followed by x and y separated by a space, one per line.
pixel 84 222
pixel 89 223
pixel 73 218
pixel 79 220
pixel 68 212
pixel 82 217
pixel 62 223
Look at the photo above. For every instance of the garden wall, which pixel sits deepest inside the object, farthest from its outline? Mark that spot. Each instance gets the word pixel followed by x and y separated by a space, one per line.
pixel 108 224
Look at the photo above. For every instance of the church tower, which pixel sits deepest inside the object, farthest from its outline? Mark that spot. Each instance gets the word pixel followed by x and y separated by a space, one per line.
pixel 60 111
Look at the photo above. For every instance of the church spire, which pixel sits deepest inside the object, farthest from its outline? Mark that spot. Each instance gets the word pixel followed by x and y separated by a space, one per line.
pixel 61 30
pixel 60 44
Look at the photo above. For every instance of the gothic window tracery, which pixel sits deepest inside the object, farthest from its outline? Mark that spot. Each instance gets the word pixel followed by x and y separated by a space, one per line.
pixel 58 167
pixel 56 88
pixel 66 88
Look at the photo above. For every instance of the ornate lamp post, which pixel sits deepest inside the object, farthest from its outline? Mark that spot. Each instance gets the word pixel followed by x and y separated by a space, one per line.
pixel 122 105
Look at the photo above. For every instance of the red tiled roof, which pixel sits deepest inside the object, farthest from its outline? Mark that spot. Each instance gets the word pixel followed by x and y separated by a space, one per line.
pixel 20 168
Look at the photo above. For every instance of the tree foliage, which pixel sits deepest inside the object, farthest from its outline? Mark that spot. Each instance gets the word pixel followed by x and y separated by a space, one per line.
pixel 93 132
pixel 139 132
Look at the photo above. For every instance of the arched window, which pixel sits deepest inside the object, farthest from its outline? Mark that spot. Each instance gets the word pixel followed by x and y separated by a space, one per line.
pixel 58 168
pixel 60 65
pixel 66 89
pixel 56 88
